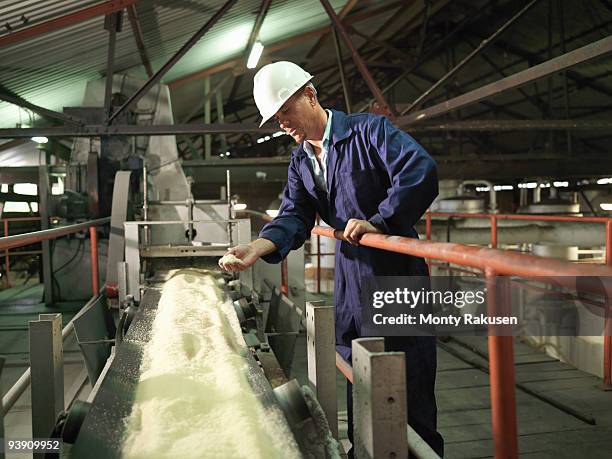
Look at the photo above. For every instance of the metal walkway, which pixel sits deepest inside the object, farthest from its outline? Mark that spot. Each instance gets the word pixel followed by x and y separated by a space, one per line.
pixel 464 408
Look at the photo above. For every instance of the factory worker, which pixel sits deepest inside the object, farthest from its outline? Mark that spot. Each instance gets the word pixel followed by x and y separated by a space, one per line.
pixel 362 174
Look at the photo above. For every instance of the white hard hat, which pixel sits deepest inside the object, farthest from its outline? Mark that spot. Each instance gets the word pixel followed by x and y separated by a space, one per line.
pixel 274 84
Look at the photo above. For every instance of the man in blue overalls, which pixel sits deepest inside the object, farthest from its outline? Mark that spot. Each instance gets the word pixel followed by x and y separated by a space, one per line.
pixel 360 173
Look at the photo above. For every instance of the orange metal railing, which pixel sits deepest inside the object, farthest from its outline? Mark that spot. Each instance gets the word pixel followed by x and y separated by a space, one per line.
pixel 607 364
pixel 19 240
pixel 7 252
pixel 555 218
pixel 501 357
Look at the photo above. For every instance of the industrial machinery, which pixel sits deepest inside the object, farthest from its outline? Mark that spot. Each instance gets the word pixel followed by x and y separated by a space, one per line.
pixel 115 332
pixel 160 233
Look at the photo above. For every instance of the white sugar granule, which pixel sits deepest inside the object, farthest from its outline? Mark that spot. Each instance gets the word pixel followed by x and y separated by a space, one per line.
pixel 193 399
pixel 231 258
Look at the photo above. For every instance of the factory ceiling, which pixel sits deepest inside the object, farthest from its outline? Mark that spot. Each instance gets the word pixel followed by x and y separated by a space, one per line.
pixel 420 56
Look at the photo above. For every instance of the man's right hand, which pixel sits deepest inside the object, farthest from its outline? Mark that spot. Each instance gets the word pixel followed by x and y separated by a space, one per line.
pixel 248 254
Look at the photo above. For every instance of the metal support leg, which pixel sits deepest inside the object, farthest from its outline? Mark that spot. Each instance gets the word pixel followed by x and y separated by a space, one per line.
pixel 1 410
pixel 95 278
pixel 110 24
pixel 501 376
pixel 132 258
pixel 207 118
pixel 321 350
pixel 607 365
pixel 46 362
pixel 284 277
pixel 343 79
pixel 221 119
pixel 43 193
pixel 7 260
pixel 379 400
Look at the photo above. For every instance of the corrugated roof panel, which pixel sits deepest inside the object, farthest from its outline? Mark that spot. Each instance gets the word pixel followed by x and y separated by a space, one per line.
pixel 48 69
pixel 18 15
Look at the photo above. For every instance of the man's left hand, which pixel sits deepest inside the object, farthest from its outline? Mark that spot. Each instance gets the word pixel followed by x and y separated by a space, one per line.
pixel 355 229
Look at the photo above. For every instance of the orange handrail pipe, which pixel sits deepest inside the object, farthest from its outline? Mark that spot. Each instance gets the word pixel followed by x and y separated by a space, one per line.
pixel 502 262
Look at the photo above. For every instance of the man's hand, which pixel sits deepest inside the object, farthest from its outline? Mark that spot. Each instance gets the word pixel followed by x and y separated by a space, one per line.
pixel 355 229
pixel 245 256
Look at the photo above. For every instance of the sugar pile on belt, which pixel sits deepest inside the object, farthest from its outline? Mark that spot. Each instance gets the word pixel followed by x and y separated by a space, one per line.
pixel 193 398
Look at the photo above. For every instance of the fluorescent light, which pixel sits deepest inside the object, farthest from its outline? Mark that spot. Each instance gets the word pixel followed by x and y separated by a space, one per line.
pixel 528 185
pixel 561 184
pixel 266 138
pixel 40 139
pixel 272 212
pixel 11 206
pixel 58 188
pixel 240 206
pixel 545 185
pixel 227 153
pixel 256 51
pixel 260 140
pixel 606 206
pixel 278 133
pixel 604 181
pixel 482 188
pixel 503 187
pixel 29 189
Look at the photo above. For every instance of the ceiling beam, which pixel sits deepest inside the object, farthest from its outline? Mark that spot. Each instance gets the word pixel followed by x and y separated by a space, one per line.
pixel 173 60
pixel 139 37
pixel 557 64
pixel 486 42
pixel 514 125
pixel 283 44
pixel 65 21
pixel 131 130
pixel 383 105
pixel 10 97
pixel 346 9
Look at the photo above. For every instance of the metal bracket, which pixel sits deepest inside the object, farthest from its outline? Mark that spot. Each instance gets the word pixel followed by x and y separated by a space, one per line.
pixel 321 350
pixel 379 400
pixel 47 370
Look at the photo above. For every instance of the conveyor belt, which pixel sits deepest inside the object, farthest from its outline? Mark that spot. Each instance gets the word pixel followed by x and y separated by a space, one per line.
pixel 104 428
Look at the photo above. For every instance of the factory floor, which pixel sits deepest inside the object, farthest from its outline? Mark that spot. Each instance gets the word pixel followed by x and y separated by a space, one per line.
pixel 556 404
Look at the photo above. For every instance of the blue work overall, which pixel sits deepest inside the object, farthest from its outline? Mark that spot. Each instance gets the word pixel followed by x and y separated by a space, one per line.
pixel 379 173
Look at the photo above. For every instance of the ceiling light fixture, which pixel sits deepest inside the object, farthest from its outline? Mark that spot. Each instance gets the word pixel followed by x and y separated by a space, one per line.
pixel 255 54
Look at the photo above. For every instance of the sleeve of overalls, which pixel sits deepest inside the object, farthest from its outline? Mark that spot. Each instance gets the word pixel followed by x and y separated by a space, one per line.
pixel 412 172
pixel 295 219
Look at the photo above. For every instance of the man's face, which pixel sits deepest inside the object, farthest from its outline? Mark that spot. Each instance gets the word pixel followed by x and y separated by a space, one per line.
pixel 296 115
